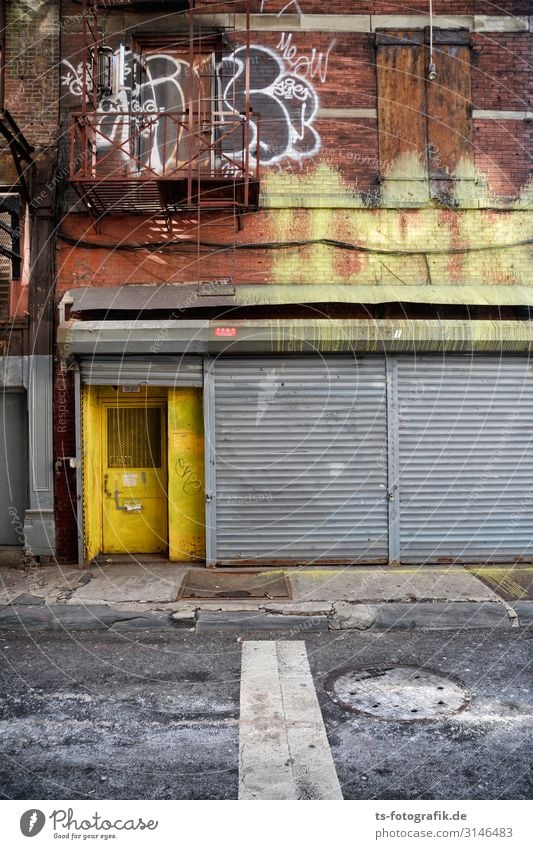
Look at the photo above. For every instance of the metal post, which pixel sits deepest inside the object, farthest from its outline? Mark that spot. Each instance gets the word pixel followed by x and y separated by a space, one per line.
pixel 79 460
pixel 393 464
pixel 210 463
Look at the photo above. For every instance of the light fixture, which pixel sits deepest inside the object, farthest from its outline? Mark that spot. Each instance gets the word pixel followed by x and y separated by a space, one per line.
pixel 432 69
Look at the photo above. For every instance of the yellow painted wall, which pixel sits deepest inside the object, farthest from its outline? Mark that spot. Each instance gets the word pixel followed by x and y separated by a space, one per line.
pixel 186 490
pixel 91 470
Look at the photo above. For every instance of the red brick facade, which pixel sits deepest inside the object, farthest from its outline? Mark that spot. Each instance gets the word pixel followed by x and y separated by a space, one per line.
pixel 324 177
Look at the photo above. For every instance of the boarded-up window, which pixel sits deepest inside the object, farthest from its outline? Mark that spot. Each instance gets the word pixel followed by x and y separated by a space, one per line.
pixel 425 124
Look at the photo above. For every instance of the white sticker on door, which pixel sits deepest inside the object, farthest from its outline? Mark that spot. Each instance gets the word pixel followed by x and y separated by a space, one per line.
pixel 129 480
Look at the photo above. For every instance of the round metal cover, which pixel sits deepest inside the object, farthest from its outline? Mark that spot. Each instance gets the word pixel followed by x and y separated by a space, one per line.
pixel 406 693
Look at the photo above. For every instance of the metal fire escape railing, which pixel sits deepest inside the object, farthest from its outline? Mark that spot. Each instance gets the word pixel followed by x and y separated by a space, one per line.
pixel 163 161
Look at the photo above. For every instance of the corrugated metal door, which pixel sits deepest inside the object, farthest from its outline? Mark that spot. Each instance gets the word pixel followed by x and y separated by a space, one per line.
pixel 301 460
pixel 465 458
pixel 148 371
pixel 13 467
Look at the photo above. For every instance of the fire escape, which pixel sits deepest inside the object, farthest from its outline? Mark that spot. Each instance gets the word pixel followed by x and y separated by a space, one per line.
pixel 155 160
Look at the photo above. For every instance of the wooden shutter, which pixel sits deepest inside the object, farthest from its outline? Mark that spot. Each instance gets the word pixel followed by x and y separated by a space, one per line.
pixel 449 111
pixel 401 70
pixel 425 130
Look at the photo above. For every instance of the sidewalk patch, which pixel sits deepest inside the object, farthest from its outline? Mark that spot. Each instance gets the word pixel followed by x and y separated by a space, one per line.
pixel 208 584
pixel 247 621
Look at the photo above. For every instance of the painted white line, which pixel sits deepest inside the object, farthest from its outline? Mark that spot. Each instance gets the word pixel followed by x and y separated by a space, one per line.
pixel 264 760
pixel 283 747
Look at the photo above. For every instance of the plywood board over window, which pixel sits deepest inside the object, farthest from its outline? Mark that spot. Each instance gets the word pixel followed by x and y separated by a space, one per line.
pixel 425 133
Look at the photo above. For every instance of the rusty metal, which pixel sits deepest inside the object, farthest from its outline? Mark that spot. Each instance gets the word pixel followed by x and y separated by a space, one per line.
pixel 113 170
pixel 112 165
pixel 21 151
pixel 309 562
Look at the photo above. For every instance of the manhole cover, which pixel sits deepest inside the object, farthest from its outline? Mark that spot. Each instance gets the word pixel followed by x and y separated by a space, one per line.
pixel 398 692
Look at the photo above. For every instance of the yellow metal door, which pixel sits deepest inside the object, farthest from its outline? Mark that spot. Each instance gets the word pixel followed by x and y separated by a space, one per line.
pixel 134 477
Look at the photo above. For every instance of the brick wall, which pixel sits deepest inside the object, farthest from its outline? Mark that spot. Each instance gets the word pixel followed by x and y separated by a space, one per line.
pixel 391 7
pixel 504 154
pixel 323 181
pixel 386 228
pixel 501 74
pixel 31 76
pixel 339 75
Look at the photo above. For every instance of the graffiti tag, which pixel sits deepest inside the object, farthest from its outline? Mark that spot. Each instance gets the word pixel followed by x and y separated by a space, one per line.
pixel 191 484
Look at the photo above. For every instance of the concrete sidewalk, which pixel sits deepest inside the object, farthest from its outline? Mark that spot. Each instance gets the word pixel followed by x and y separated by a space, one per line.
pixel 126 594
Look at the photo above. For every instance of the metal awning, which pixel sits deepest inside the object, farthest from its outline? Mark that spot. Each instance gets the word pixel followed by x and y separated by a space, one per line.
pixel 357 336
pixel 172 296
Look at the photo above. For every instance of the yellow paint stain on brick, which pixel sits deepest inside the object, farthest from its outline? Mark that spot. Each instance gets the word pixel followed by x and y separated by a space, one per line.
pixel 405 183
pixel 431 228
pixel 310 189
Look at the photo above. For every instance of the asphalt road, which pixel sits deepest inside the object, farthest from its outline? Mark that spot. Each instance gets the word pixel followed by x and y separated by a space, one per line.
pixel 156 716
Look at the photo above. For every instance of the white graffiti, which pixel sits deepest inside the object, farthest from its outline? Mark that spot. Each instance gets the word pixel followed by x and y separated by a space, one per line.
pixel 266 395
pixel 161 87
pixel 286 102
pixel 281 93
pixel 73 76
pixel 314 65
pixel 292 4
pixel 72 79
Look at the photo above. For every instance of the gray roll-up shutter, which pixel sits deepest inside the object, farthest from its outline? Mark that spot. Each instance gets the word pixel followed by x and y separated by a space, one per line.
pixel 158 371
pixel 13 467
pixel 301 460
pixel 466 458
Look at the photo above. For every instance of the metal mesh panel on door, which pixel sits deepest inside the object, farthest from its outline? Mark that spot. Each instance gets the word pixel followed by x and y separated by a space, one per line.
pixel 466 458
pixel 5 263
pixel 134 437
pixel 301 456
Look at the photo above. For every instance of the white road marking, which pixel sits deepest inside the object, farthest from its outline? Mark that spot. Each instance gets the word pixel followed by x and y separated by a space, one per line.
pixel 283 747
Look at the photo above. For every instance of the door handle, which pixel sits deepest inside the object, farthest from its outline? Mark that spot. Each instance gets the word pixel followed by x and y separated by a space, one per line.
pixel 109 494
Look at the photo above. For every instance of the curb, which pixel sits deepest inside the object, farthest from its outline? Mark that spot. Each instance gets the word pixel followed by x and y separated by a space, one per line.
pixel 32 614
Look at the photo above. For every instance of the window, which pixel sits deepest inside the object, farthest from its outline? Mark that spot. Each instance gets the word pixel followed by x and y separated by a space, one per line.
pixel 154 94
pixel 10 260
pixel 424 123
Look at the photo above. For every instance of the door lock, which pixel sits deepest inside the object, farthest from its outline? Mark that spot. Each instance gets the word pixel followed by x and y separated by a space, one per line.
pixel 109 494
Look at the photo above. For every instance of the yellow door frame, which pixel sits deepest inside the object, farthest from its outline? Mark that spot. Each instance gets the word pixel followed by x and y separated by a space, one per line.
pixel 185 466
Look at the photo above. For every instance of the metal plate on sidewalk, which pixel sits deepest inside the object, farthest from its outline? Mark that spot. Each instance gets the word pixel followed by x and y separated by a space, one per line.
pixel 208 584
pixel 405 693
pixel 512 583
